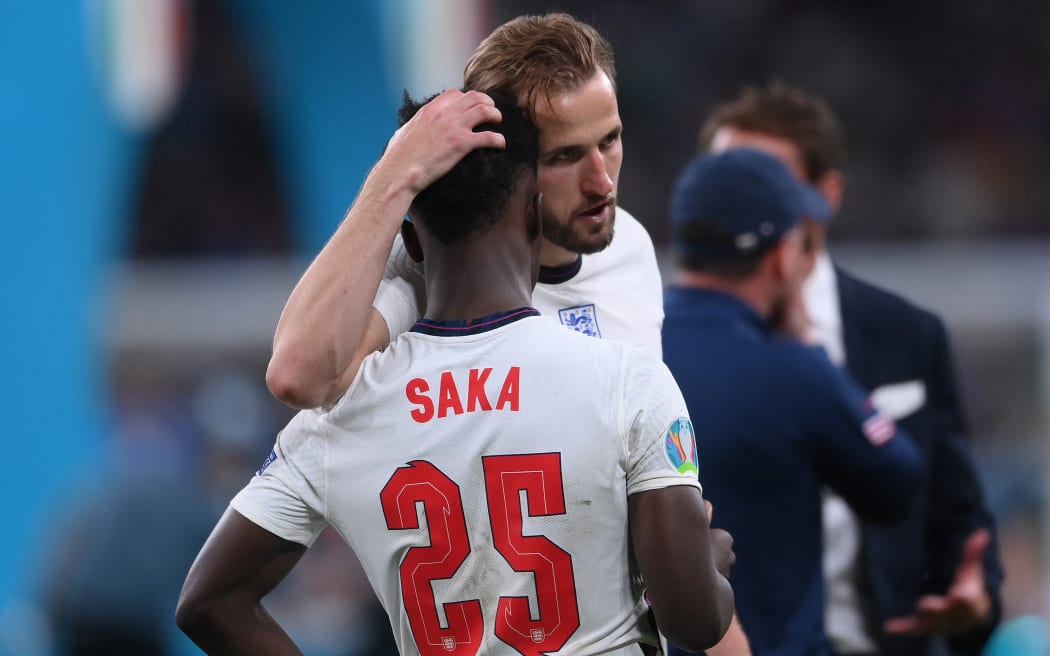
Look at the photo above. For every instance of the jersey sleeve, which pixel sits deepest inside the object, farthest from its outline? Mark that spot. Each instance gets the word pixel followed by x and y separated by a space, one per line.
pixel 401 297
pixel 286 496
pixel 661 444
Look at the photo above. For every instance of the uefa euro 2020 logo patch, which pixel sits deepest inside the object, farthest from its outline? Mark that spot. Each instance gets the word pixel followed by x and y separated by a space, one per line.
pixel 681 446
pixel 581 318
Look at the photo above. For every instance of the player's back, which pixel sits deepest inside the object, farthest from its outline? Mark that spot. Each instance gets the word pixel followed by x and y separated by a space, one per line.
pixel 481 475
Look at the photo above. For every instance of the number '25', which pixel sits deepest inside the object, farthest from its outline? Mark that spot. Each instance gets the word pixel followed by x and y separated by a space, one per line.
pixel 539 475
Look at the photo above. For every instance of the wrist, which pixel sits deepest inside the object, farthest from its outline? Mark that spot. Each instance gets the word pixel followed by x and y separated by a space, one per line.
pixel 391 192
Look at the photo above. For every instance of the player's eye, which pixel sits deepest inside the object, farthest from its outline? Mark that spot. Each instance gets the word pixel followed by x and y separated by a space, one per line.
pixel 565 156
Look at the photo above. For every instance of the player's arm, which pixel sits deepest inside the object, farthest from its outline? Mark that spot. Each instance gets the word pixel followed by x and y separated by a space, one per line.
pixel 733 643
pixel 328 324
pixel 220 606
pixel 684 564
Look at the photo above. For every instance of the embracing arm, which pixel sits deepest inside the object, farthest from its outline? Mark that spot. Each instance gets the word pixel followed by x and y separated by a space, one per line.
pixel 220 604
pixel 328 324
pixel 684 565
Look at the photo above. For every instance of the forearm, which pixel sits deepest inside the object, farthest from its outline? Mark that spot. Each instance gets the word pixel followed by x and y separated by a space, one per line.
pixel 679 558
pixel 236 631
pixel 734 643
pixel 323 323
pixel 707 626
pixel 220 606
pixel 320 331
pixel 726 605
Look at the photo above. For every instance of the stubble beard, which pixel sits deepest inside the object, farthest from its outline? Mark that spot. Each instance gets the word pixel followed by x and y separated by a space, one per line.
pixel 572 236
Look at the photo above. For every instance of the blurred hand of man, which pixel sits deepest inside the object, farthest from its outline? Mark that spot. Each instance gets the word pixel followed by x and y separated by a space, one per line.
pixel 722 544
pixel 735 642
pixel 966 604
pixel 792 319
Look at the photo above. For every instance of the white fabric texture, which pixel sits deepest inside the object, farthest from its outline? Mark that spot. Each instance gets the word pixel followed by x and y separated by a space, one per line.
pixel 843 608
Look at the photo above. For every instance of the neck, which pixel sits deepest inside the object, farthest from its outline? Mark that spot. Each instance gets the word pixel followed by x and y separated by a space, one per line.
pixel 478 278
pixel 552 255
pixel 751 290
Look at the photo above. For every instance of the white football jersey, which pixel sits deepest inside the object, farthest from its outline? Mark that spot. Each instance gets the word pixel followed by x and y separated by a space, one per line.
pixel 481 473
pixel 614 294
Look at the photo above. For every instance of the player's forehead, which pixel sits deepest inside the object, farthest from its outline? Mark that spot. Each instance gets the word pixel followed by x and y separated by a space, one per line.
pixel 728 137
pixel 582 116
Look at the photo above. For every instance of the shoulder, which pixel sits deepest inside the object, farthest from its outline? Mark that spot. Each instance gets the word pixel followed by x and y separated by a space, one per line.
pixel 799 366
pixel 630 259
pixel 638 358
pixel 378 371
pixel 637 237
pixel 631 245
pixel 571 349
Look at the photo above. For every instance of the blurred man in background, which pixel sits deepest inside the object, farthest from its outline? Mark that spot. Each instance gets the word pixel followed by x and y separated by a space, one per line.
pixel 113 572
pixel 891 589
pixel 777 419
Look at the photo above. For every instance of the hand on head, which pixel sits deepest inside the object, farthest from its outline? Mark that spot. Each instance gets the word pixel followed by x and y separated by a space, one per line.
pixel 440 134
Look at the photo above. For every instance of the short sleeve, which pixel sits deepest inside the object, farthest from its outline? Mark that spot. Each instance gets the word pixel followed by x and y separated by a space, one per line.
pixel 401 297
pixel 286 495
pixel 661 443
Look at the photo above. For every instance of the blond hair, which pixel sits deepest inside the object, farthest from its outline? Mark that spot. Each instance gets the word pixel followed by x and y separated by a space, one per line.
pixel 533 57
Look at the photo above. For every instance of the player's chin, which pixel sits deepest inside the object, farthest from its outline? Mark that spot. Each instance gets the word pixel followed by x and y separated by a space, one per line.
pixel 583 234
pixel 593 239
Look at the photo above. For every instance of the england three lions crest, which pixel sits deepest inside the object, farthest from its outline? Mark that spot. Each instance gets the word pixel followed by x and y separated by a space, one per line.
pixel 581 318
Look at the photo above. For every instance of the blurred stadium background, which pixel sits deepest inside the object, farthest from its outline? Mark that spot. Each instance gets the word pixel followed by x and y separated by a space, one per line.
pixel 169 168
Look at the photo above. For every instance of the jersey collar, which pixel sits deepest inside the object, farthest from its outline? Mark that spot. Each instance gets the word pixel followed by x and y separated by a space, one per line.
pixel 559 274
pixel 472 326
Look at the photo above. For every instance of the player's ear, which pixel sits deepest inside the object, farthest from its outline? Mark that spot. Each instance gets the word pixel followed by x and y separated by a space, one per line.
pixel 411 239
pixel 780 259
pixel 534 217
pixel 831 186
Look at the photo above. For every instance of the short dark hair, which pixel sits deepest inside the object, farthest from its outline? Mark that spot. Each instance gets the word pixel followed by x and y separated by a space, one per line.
pixel 472 196
pixel 729 265
pixel 790 113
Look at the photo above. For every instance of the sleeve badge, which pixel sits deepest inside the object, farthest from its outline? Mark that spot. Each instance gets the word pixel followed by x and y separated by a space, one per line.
pixel 680 446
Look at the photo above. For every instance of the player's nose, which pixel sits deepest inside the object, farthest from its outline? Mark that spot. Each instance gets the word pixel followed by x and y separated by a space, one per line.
pixel 596 178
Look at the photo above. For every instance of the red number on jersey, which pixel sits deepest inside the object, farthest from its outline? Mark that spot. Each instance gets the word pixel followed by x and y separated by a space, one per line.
pixel 539 475
pixel 420 481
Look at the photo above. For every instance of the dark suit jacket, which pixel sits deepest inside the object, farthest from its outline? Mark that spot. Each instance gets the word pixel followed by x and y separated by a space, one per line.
pixel 887 341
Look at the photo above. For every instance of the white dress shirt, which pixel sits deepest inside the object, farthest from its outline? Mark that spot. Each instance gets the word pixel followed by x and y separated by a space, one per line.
pixel 843 609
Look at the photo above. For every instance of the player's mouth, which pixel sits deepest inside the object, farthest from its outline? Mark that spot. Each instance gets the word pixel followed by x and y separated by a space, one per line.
pixel 598 213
